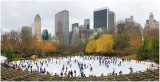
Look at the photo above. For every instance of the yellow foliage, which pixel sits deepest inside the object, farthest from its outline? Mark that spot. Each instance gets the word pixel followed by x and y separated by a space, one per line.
pixel 91 46
pixel 33 56
pixel 103 44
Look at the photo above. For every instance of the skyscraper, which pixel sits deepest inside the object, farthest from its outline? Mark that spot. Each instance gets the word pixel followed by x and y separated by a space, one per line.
pixel 26 33
pixel 70 33
pixel 101 18
pixel 45 35
pixel 59 32
pixel 75 36
pixel 86 24
pixel 64 17
pixel 111 22
pixel 37 27
pixel 151 23
pixel 74 25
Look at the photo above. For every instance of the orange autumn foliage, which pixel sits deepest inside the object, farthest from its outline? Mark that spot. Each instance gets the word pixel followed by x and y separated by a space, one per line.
pixel 47 47
pixel 44 46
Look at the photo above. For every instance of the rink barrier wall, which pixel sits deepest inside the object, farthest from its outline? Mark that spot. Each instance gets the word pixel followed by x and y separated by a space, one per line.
pixel 142 62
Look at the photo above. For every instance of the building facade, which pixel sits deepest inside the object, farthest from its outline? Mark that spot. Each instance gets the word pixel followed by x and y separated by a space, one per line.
pixel 111 22
pixel 74 25
pixel 44 35
pixel 37 27
pixel 26 33
pixel 101 18
pixel 55 39
pixel 75 36
pixel 129 20
pixel 151 23
pixel 63 16
pixel 86 24
pixel 59 32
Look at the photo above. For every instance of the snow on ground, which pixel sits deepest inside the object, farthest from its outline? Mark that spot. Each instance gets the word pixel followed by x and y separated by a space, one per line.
pixel 97 69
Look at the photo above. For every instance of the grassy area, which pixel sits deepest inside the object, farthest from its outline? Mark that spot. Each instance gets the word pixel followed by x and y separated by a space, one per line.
pixel 132 56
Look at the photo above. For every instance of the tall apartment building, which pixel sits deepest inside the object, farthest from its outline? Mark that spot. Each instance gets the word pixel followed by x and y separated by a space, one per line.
pixel 26 33
pixel 111 22
pixel 101 18
pixel 151 23
pixel 74 25
pixel 63 16
pixel 37 27
pixel 105 19
pixel 86 24
pixel 45 35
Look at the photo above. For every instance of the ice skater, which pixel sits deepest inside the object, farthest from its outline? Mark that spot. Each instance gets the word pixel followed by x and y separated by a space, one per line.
pixel 91 68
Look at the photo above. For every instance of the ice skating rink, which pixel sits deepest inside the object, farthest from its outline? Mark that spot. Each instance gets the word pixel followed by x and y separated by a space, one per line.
pixel 52 67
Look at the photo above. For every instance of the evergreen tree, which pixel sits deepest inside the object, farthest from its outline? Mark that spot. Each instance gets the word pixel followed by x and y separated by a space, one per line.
pixel 9 54
pixel 143 52
pixel 39 52
pixel 155 50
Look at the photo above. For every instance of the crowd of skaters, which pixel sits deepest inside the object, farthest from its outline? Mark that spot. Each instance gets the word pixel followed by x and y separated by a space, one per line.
pixel 103 61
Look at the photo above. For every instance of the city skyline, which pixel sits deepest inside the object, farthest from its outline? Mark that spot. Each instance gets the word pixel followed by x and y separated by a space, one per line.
pixel 14 16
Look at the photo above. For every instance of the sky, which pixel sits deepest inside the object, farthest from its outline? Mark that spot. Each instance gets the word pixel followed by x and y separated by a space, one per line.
pixel 15 14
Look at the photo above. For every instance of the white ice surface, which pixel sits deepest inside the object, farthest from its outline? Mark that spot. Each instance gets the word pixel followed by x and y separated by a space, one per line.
pixel 97 69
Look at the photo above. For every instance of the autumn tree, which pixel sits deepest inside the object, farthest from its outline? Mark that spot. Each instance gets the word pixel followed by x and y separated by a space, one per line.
pixel 14 38
pixel 91 46
pixel 47 47
pixel 4 41
pixel 105 43
pixel 26 40
pixel 121 40
pixel 135 39
pixel 151 32
pixel 36 47
pixel 62 48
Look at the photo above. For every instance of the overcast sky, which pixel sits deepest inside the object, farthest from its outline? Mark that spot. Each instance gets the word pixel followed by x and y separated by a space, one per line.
pixel 15 14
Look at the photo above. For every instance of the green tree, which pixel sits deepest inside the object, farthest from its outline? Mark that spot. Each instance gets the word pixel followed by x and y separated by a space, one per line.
pixel 39 53
pixel 155 50
pixel 121 41
pixel 9 54
pixel 143 51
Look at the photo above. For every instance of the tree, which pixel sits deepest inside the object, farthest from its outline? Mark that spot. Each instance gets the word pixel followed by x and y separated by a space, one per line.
pixel 143 50
pixel 47 47
pixel 26 40
pixel 91 46
pixel 135 39
pixel 151 32
pixel 105 43
pixel 121 40
pixel 8 53
pixel 155 50
pixel 4 41
pixel 13 38
pixel 39 53
pixel 149 49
